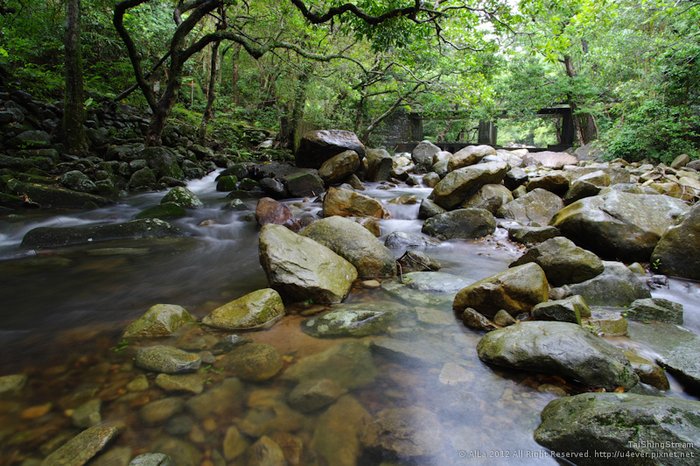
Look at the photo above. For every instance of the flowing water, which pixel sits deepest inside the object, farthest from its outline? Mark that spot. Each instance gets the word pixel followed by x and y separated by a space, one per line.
pixel 63 312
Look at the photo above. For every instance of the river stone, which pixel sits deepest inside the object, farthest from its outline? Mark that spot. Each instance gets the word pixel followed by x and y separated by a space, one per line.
pixel 418 261
pixel 378 165
pixel 160 320
pixel 531 235
pixel 318 146
pixel 336 439
pixel 354 243
pixel 556 183
pixel 265 452
pixel 632 429
pixel 490 197
pixel 515 290
pixel 549 159
pixel 271 211
pixel 53 196
pixel 56 237
pixel 83 447
pixel 608 322
pixel 159 411
pixel 312 395
pixel 255 362
pixel 658 309
pixel 563 310
pixel 166 359
pixel 477 321
pixel 402 240
pixel 562 261
pixel 536 208
pixel 405 432
pixel 558 348
pixel 223 400
pixel 190 383
pixel 619 224
pixel 350 365
pixel 429 209
pixel 458 185
pixel 234 444
pixel 503 319
pixel 580 190
pixel 302 269
pixel 303 183
pixel 162 211
pixel 461 223
pixel 339 167
pixel 87 414
pixel 346 203
pixel 117 456
pixel 678 251
pixel 259 309
pixel 648 372
pixel 182 197
pixel 616 286
pixel 152 459
pixel 78 181
pixel 469 155
pixel 434 282
pixel 355 321
pixel 424 154
pixel 183 453
pixel 11 384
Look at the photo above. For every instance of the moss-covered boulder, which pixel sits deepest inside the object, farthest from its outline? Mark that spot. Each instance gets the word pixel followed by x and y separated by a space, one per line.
pixel 255 362
pixel 164 211
pixel 258 309
pixel 563 310
pixel 182 197
pixel 166 359
pixel 160 320
pixel 658 309
pixel 83 447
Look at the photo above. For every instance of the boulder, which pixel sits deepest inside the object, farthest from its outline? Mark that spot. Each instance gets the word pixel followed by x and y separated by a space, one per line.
pixel 680 161
pixel 622 429
pixel 424 154
pixel 678 251
pixel 556 183
pixel 83 447
pixel 460 184
pixel 469 155
pixel 354 243
pixel 143 179
pixel 490 197
pixel 160 320
pixel 515 290
pixel 461 223
pixel 318 146
pixel 378 165
pixel 418 261
pixel 536 208
pixel 339 167
pixel 259 309
pixel 619 224
pixel 562 261
pixel 549 159
pixel 226 183
pixel 182 197
pixel 78 181
pixel 302 269
pixel 616 286
pixel 57 237
pixel 558 348
pixel 165 211
pixel 412 432
pixel 270 211
pixel 477 321
pixel 564 310
pixel 346 203
pixel 163 161
pixel 658 309
pixel 303 183
pixel 349 321
pixel 166 359
pixel 531 235
pixel 53 196
pixel 254 362
pixel 400 240
pixel 429 209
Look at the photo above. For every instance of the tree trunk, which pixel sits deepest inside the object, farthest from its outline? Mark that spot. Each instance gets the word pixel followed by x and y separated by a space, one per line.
pixel 298 107
pixel 165 104
pixel 74 110
pixel 211 93
pixel 586 128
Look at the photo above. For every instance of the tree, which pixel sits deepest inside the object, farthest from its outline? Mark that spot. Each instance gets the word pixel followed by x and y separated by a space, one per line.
pixel 73 110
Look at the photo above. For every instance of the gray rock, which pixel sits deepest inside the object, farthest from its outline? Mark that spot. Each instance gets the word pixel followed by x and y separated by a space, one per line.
pixel 401 240
pixel 490 197
pixel 78 181
pixel 616 286
pixel 259 309
pixel 624 427
pixel 87 414
pixel 303 183
pixel 503 319
pixel 159 411
pixel 458 185
pixel 312 395
pixel 549 159
pixel 469 155
pixel 558 348
pixel 163 161
pixel 461 223
pixel 477 321
pixel 160 320
pixel 83 447
pixel 424 154
pixel 166 359
pixel 531 235
pixel 429 209
pixel 418 261
pixel 536 208
pixel 318 146
pixel 255 362
pixel 347 203
pixel 563 310
pixel 405 432
pixel 678 251
pixel 152 459
pixel 182 197
pixel 301 269
pixel 143 179
pixel 608 322
pixel 434 282
pixel 339 167
pixel 556 183
pixel 378 165
pixel 680 161
pixel 349 321
pixel 658 309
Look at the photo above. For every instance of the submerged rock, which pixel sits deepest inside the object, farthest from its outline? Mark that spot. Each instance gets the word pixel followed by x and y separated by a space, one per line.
pixel 152 459
pixel 186 383
pixel 258 309
pixel 461 223
pixel 160 320
pixel 627 429
pixel 162 211
pixel 167 359
pixel 434 282
pixel 346 203
pixel 311 395
pixel 558 348
pixel 356 321
pixel 254 362
pixel 83 447
pixel 405 432
pixel 336 439
pixel 11 384
pixel 265 452
pixel 678 251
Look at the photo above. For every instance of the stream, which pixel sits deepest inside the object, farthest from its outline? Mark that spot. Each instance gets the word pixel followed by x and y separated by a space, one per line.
pixel 63 312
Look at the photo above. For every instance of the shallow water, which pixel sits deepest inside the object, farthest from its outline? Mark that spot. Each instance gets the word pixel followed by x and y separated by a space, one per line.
pixel 63 312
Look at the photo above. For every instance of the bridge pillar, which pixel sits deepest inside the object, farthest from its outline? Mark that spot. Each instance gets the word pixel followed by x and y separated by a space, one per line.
pixel 488 133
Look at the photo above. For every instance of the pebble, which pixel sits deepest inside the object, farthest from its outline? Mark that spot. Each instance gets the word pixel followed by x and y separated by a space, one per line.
pixel 34 412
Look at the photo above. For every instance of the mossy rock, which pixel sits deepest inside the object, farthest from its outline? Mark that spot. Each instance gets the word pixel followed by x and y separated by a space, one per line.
pixel 164 211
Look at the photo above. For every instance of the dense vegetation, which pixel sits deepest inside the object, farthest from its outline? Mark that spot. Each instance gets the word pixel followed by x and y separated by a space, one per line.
pixel 629 69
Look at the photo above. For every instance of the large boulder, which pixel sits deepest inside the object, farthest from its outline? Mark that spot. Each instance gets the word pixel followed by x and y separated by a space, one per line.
pixel 616 286
pixel 160 320
pixel 562 261
pixel 558 348
pixel 622 429
pixel 53 196
pixel 339 167
pixel 490 197
pixel 303 183
pixel 78 181
pixel 461 223
pixel 182 197
pixel 355 243
pixel 378 165
pixel 549 159
pixel 458 185
pixel 618 224
pixel 346 203
pixel 536 208
pixel 424 154
pixel 318 146
pixel 515 290
pixel 258 309
pixel 469 155
pixel 678 251
pixel 270 211
pixel 302 269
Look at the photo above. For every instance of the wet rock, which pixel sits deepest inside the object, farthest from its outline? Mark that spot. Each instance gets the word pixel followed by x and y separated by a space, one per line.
pixel 291 445
pixel 303 183
pixel 402 241
pixel 424 154
pixel 183 453
pixel 490 197
pixel 30 139
pixel 339 167
pixel 83 447
pixel 658 309
pixel 458 185
pixel 87 414
pixel 234 444
pixel 536 208
pixel 532 235
pixel 160 320
pixel 265 452
pixel 606 322
pixel 648 372
pixel 556 183
pixel 405 432
pixel 188 383
pixel 435 317
pixel 78 181
pixel 312 395
pixel 678 251
pixel 354 243
pixel 224 400
pixel 461 223
pixel 558 348
pixel 346 203
pixel 301 269
pixel 503 319
pixel 378 165
pixel 469 155
pixel 454 374
pixel 270 211
pixel 53 196
pixel 255 362
pixel 336 439
pixel 618 224
pixel 418 261
pixel 117 456
pixel 12 384
pixel 226 183
pixel 564 310
pixel 163 161
pixel 625 426
pixel 549 159
pixel 138 384
pixel 182 197
pixel 429 209
pixel 616 286
pixel 159 411
pixel 434 282
pixel 152 459
pixel 274 188
pixel 143 179
pixel 477 321
pixel 167 359
pixel 350 365
pixel 431 179
pixel 163 211
pixel 318 146
pixel 562 261
pixel 580 190
pixel 515 290
pixel 680 161
pixel 349 321
pixel 259 309
pixel 57 237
